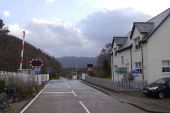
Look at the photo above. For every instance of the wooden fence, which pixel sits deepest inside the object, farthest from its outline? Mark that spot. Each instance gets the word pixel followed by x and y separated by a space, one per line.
pixel 117 85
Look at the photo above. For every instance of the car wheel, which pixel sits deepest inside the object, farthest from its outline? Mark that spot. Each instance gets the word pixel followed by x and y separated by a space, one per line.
pixel 161 95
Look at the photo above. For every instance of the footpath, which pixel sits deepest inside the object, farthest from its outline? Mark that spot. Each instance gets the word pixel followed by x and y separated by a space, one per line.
pixel 137 99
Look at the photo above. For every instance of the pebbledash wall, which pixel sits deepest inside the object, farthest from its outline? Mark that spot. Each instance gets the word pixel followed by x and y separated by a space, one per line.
pixel 25 76
pixel 154 51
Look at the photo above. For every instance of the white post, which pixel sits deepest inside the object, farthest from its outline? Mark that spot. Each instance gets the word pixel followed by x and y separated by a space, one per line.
pixel 22 51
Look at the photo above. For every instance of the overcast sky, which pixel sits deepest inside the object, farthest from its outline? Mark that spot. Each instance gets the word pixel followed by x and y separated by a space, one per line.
pixel 75 27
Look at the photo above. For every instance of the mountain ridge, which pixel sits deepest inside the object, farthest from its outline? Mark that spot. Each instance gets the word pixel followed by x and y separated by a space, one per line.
pixel 73 61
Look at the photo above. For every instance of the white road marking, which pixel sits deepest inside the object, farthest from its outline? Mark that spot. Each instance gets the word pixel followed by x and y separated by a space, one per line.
pixel 74 93
pixel 33 99
pixel 84 107
pixel 67 84
pixel 55 92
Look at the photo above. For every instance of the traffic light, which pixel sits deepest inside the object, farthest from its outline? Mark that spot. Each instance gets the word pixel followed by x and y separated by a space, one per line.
pixel 90 65
pixel 36 63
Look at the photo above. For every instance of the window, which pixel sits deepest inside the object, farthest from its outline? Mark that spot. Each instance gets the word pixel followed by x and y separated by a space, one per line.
pixel 116 68
pixel 138 66
pixel 115 53
pixel 136 43
pixel 115 49
pixel 165 65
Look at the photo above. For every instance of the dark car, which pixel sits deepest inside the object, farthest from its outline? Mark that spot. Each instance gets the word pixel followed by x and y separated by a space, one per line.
pixel 159 88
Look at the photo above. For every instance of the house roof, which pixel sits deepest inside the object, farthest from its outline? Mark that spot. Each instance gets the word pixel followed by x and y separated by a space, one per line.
pixel 122 42
pixel 126 46
pixel 158 21
pixel 144 27
pixel 119 40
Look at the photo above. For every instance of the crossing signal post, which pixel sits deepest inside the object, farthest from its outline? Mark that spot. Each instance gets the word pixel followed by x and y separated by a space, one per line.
pixel 90 66
pixel 36 64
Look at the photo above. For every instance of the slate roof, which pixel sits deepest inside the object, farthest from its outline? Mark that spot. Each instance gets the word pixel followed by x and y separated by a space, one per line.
pixel 158 21
pixel 144 27
pixel 119 40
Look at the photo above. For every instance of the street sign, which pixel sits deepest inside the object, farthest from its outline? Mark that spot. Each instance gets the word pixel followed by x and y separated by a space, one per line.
pixel 37 71
pixel 48 70
pixel 135 72
pixel 121 70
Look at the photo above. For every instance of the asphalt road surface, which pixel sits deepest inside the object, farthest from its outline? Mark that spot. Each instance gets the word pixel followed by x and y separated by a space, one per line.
pixel 72 96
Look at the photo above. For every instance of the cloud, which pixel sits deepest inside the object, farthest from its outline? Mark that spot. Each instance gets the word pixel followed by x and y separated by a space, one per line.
pixel 58 37
pixel 50 1
pixel 16 30
pixel 61 38
pixel 101 26
pixel 6 13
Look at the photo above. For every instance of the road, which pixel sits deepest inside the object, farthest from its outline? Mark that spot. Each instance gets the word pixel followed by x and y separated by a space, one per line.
pixel 72 96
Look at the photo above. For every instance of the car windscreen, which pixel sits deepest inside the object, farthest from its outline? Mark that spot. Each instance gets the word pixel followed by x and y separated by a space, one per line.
pixel 160 81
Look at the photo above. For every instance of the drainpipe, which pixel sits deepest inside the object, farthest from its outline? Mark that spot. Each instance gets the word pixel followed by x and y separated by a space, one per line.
pixel 142 61
pixel 112 67
pixel 131 58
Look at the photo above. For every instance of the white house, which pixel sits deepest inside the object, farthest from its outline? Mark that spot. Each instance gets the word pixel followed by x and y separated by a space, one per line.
pixel 145 52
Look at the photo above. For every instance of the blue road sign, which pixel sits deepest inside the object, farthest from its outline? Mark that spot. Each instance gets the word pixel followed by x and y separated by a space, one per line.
pixel 135 72
pixel 37 71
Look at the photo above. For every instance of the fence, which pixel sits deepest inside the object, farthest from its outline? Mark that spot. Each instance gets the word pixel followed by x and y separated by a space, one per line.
pixel 117 85
pixel 5 75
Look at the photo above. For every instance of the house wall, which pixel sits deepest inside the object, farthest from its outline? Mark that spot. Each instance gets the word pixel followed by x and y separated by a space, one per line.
pixel 117 60
pixel 145 61
pixel 158 50
pixel 136 54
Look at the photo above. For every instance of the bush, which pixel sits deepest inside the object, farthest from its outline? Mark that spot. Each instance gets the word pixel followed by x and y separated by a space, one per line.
pixel 91 73
pixel 53 75
pixel 24 89
pixel 2 85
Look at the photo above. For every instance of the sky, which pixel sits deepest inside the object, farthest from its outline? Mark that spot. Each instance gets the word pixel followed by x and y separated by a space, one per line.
pixel 75 27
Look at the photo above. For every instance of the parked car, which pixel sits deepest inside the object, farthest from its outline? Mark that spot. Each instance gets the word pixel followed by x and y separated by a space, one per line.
pixel 160 88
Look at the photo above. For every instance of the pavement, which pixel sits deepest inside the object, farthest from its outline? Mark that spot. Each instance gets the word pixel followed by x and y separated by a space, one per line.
pixel 138 100
pixel 73 96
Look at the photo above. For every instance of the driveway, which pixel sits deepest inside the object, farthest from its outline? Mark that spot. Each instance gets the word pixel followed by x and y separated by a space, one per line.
pixel 72 96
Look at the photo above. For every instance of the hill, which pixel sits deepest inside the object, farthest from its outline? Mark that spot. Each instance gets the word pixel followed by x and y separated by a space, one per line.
pixel 10 50
pixel 72 61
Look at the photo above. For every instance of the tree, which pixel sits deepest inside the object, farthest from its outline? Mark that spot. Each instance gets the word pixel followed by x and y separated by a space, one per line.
pixel 106 68
pixel 1 23
pixel 3 30
pixel 104 54
pixel 103 60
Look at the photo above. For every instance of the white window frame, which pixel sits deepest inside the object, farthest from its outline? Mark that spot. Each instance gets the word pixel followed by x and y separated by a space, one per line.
pixel 138 66
pixel 165 66
pixel 136 43
pixel 115 51
pixel 116 68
